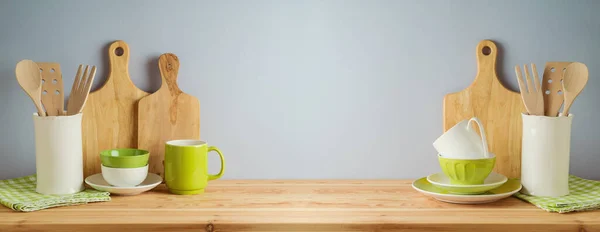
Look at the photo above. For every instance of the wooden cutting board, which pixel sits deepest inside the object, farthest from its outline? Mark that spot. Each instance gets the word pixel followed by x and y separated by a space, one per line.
pixel 110 113
pixel 498 108
pixel 167 114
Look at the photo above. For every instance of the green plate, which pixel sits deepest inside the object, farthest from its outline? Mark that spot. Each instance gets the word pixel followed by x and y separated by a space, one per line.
pixel 509 188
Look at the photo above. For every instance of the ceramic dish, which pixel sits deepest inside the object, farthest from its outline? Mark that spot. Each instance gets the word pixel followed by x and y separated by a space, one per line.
pixel 124 158
pixel 494 180
pixel 124 177
pixel 509 188
pixel 97 182
pixel 467 171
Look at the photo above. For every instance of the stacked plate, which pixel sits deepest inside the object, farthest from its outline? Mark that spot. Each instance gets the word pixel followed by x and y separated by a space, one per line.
pixel 495 187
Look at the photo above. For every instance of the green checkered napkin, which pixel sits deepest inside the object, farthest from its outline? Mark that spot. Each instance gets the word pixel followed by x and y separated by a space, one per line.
pixel 583 195
pixel 19 194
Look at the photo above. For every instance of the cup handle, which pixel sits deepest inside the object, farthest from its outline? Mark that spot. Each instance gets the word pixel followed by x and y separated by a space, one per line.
pixel 481 132
pixel 218 175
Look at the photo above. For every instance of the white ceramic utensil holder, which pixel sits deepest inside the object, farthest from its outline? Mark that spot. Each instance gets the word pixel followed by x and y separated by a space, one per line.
pixel 545 155
pixel 58 154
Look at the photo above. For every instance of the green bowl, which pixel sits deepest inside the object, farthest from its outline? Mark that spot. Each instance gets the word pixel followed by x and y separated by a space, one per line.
pixel 467 171
pixel 124 158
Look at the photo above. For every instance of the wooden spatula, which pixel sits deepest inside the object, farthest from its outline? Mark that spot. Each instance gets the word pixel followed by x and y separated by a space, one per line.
pixel 52 88
pixel 552 88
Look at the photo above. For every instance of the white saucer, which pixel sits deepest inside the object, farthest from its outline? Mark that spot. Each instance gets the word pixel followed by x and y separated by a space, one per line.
pixel 494 180
pixel 97 182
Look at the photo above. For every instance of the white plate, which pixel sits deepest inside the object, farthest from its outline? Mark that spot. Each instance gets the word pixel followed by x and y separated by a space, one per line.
pixel 494 180
pixel 509 188
pixel 97 182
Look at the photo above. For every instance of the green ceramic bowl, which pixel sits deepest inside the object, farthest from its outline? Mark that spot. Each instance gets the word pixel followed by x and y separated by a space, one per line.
pixel 124 158
pixel 467 171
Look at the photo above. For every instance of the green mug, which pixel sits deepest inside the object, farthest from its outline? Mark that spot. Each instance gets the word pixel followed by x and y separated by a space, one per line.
pixel 186 166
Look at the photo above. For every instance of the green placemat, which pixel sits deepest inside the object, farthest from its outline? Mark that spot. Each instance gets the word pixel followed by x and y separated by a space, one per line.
pixel 583 195
pixel 19 194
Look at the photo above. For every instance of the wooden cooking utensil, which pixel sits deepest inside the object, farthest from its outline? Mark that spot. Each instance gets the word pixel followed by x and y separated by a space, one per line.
pixel 167 114
pixel 30 80
pixel 552 88
pixel 531 91
pixel 110 114
pixel 53 97
pixel 574 80
pixel 80 90
pixel 498 108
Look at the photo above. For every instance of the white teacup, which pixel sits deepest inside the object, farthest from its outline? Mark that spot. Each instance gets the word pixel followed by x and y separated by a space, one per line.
pixel 124 177
pixel 462 142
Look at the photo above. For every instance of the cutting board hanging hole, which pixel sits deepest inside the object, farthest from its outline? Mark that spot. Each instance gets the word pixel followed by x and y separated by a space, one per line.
pixel 486 51
pixel 119 51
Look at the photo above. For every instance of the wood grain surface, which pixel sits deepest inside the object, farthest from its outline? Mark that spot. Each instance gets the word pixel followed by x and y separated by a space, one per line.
pixel 296 205
pixel 110 113
pixel 167 114
pixel 498 108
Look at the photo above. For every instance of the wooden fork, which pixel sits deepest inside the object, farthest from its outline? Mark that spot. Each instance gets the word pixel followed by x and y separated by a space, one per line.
pixel 532 96
pixel 80 90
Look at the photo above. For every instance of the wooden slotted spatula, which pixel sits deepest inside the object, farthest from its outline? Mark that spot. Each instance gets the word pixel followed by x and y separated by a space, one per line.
pixel 552 87
pixel 52 88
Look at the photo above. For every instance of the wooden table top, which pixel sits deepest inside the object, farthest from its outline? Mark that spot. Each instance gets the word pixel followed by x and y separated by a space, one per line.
pixel 311 205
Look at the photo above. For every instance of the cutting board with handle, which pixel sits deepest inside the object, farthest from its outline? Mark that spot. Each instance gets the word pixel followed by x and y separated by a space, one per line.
pixel 110 113
pixel 498 108
pixel 167 114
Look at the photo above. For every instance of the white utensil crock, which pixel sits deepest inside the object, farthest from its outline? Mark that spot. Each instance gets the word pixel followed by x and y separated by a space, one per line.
pixel 545 154
pixel 462 141
pixel 58 154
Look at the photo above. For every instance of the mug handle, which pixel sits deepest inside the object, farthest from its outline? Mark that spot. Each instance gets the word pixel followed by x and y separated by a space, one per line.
pixel 218 175
pixel 481 132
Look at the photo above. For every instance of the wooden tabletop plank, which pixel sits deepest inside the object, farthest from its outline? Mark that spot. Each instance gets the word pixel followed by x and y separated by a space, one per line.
pixel 299 205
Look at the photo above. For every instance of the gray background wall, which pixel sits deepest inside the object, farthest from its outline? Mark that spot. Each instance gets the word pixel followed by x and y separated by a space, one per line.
pixel 305 89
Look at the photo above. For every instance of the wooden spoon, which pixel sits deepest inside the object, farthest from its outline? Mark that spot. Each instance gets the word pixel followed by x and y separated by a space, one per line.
pixel 574 80
pixel 28 76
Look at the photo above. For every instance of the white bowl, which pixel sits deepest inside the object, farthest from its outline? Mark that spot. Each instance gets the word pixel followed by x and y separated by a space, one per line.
pixel 124 177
